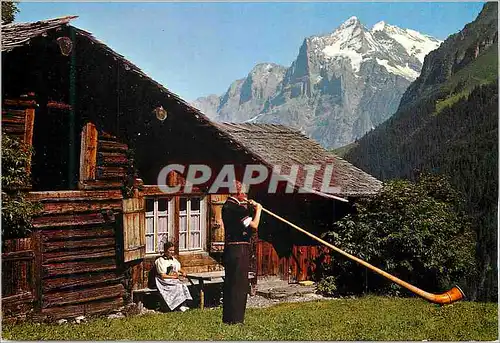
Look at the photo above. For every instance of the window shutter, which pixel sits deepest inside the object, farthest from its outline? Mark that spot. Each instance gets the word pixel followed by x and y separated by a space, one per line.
pixel 88 153
pixel 134 229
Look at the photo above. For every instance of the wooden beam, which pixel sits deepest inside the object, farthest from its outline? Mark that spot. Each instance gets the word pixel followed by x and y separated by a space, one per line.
pixel 112 159
pixel 63 196
pixel 81 244
pixel 18 255
pixel 28 132
pixel 89 232
pixel 100 185
pixel 65 256
pixel 50 208
pixel 82 280
pixel 110 146
pixel 20 103
pixel 58 105
pixel 80 296
pixel 87 309
pixel 69 220
pixel 154 190
pixel 26 296
pixel 69 268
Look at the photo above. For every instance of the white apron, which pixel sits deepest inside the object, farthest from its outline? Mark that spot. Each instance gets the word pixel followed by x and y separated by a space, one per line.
pixel 173 291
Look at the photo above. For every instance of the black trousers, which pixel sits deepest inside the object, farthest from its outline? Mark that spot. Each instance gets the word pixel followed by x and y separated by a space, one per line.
pixel 236 265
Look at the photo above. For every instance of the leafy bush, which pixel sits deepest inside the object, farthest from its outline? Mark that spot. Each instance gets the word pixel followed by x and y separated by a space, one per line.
pixel 16 209
pixel 15 158
pixel 327 286
pixel 415 231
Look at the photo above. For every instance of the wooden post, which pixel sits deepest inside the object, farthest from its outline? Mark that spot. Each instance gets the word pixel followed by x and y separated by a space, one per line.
pixel 72 114
pixel 28 132
pixel 172 179
pixel 38 249
pixel 202 294
pixel 176 224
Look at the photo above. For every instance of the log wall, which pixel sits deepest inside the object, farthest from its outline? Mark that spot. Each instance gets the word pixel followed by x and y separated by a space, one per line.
pixel 105 168
pixel 18 116
pixel 18 279
pixel 299 266
pixel 77 256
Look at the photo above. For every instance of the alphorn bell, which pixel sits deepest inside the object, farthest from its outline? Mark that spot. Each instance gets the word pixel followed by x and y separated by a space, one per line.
pixel 448 297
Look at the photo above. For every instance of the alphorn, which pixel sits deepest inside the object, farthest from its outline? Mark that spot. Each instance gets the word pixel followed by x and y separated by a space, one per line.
pixel 448 297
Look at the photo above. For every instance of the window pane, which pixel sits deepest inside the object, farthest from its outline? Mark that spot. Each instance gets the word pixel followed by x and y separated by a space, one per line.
pixel 195 223
pixel 183 204
pixel 194 240
pixel 162 239
pixel 150 225
pixel 183 223
pixel 182 241
pixel 163 205
pixel 195 204
pixel 150 242
pixel 150 205
pixel 162 225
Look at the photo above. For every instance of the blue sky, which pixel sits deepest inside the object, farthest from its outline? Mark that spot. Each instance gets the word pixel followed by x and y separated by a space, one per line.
pixel 196 49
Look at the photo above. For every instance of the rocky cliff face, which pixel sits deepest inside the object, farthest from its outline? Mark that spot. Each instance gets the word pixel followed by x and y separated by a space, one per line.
pixel 456 52
pixel 208 105
pixel 340 86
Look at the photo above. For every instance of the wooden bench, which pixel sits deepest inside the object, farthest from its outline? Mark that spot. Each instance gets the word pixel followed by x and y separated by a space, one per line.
pixel 195 279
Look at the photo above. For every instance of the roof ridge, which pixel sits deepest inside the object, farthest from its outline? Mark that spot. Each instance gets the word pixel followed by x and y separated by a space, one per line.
pixel 63 20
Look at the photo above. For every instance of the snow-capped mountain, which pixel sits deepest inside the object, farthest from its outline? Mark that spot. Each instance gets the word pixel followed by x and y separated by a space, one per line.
pixel 400 51
pixel 341 85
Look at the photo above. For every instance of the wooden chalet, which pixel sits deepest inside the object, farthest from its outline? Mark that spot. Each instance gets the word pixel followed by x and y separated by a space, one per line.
pixel 102 130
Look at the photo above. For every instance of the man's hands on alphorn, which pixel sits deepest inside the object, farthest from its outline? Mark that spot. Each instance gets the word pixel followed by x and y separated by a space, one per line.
pixel 255 204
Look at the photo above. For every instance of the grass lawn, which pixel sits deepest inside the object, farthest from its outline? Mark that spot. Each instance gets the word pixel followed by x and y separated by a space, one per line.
pixel 367 318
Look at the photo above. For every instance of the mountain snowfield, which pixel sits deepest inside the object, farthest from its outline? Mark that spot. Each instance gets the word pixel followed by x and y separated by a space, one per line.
pixel 354 42
pixel 340 86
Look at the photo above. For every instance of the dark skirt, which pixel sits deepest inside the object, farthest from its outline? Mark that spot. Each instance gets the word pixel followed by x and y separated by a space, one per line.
pixel 236 265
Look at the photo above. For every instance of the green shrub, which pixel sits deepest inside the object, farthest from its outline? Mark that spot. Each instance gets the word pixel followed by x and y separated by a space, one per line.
pixel 327 286
pixel 17 211
pixel 415 231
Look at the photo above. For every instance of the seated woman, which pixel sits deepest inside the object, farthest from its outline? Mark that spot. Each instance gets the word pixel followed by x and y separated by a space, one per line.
pixel 167 280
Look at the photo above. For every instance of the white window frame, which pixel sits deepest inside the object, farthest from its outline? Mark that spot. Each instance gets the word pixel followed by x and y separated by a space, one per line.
pixel 203 224
pixel 170 223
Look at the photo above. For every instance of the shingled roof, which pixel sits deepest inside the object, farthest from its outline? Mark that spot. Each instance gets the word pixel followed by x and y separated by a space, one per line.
pixel 18 34
pixel 271 144
pixel 284 146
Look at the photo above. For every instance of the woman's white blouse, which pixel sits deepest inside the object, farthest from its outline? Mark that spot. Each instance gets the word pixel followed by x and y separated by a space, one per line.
pixel 162 265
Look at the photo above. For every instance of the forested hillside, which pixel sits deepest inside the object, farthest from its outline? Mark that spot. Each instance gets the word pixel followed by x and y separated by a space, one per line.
pixel 447 123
